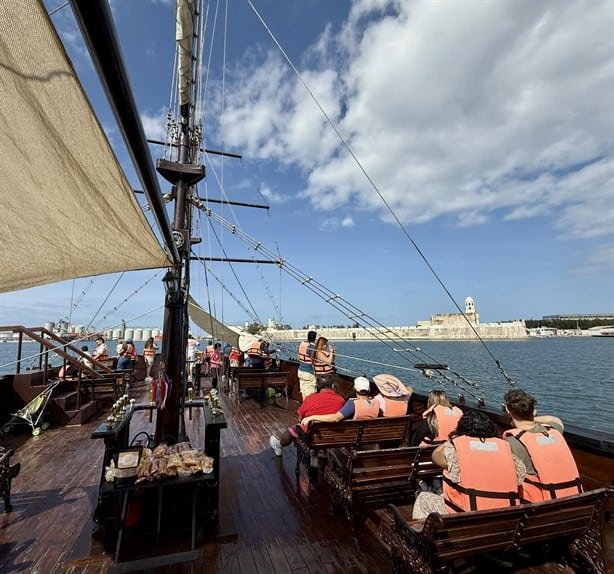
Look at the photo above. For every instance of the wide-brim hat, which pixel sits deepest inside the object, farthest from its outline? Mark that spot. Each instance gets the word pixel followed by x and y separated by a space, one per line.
pixel 390 386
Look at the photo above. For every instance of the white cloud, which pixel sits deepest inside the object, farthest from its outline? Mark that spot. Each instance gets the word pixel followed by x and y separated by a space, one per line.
pixel 476 110
pixel 154 125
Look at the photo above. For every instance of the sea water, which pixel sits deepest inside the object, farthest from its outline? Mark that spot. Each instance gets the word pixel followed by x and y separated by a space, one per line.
pixel 571 377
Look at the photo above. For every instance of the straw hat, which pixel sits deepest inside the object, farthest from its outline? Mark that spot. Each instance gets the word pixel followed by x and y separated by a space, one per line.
pixel 390 386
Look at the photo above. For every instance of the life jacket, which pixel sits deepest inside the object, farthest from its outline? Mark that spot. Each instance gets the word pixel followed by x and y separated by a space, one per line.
pixel 396 407
pixel 255 350
pixel 487 476
pixel 216 360
pixel 160 390
pixel 149 351
pixel 303 354
pixel 130 352
pixel 320 367
pixel 365 409
pixel 235 354
pixel 557 472
pixel 447 419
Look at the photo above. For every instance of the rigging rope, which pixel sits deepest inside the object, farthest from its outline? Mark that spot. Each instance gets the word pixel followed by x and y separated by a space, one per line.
pixel 379 331
pixel 346 145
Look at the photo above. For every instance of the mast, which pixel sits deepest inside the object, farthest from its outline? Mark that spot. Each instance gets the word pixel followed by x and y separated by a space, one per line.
pixel 183 174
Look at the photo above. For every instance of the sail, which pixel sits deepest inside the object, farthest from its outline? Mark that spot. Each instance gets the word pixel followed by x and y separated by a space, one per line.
pixel 211 325
pixel 67 208
pixel 184 34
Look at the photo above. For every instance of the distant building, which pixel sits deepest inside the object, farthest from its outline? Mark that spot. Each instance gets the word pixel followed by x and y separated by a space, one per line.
pixel 585 317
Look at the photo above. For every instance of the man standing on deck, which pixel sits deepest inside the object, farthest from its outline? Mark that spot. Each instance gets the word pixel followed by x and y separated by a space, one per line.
pixel 324 402
pixel 538 442
pixel 306 376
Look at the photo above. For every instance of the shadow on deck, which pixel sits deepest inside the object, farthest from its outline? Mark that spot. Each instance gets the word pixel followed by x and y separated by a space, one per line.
pixel 281 524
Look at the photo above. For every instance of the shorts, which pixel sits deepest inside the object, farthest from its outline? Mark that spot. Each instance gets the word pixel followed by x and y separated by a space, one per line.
pixel 149 360
pixel 307 383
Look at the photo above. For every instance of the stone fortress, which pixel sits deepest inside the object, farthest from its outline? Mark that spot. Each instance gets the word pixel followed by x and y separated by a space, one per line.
pixel 444 326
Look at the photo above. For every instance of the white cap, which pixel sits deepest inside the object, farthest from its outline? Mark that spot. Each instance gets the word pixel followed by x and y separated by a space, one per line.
pixel 361 384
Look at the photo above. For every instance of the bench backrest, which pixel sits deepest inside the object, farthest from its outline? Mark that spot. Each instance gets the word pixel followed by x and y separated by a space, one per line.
pixel 261 379
pixel 357 433
pixel 462 535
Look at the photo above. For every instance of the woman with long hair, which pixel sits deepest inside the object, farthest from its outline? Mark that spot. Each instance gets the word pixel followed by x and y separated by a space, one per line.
pixel 323 357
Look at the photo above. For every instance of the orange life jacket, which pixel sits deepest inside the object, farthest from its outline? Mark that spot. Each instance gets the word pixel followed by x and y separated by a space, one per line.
pixel 396 407
pixel 447 419
pixel 487 476
pixel 149 351
pixel 365 409
pixel 303 355
pixel 557 472
pixel 255 350
pixel 235 354
pixel 320 367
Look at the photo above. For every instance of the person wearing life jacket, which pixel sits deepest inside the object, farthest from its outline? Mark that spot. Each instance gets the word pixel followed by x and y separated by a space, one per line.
pixel 235 357
pixel 258 353
pixel 439 420
pixel 215 364
pixel 363 406
pixel 149 354
pixel 306 375
pixel 538 441
pixel 323 359
pixel 126 355
pixel 101 353
pixel 479 470
pixel 393 395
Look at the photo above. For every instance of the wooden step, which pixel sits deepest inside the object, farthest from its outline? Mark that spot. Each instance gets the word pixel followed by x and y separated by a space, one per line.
pixel 66 400
pixel 85 413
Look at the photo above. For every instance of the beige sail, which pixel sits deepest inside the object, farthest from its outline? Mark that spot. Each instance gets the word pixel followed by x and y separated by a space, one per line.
pixel 217 329
pixel 184 34
pixel 67 208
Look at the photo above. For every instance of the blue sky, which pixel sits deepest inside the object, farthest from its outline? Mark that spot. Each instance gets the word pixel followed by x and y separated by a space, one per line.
pixel 486 127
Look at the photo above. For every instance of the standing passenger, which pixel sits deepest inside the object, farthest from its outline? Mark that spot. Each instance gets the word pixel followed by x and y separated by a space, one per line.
pixel 149 354
pixel 215 364
pixel 323 357
pixel 538 441
pixel 306 376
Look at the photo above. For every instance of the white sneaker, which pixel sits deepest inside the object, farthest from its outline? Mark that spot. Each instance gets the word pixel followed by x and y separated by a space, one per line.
pixel 275 445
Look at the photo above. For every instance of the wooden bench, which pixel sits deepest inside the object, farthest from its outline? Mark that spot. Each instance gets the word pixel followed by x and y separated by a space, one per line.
pixel 377 477
pixel 355 433
pixel 257 379
pixel 7 473
pixel 537 536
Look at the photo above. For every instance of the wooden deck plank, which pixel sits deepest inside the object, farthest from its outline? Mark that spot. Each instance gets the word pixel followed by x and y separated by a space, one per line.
pixel 282 524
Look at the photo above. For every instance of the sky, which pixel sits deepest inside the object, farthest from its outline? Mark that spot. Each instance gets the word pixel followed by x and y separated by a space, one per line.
pixel 479 132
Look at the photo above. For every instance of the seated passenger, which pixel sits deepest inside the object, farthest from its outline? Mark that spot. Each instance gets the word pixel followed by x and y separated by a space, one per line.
pixel 480 471
pixel 323 402
pixel 393 395
pixel 439 420
pixel 361 407
pixel 538 441
pixel 101 352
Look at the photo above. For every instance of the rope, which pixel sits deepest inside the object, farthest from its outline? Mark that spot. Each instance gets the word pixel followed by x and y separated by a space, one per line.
pixel 379 331
pixel 346 145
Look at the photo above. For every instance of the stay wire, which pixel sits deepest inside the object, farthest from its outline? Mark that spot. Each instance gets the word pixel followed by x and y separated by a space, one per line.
pixel 379 331
pixel 376 189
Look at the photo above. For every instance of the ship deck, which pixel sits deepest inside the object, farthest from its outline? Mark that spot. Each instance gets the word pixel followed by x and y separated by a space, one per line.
pixel 280 524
